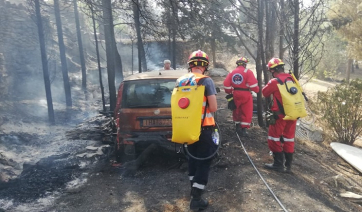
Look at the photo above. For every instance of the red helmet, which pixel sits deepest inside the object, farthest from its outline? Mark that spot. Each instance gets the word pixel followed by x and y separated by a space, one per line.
pixel 274 62
pixel 198 58
pixel 242 61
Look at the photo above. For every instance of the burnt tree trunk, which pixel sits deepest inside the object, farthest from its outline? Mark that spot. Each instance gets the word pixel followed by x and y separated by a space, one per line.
pixel 270 29
pixel 260 60
pixel 142 65
pixel 110 50
pixel 118 64
pixel 44 60
pixel 296 40
pixel 63 59
pixel 281 30
pixel 98 59
pixel 174 32
pixel 80 46
pixel 213 50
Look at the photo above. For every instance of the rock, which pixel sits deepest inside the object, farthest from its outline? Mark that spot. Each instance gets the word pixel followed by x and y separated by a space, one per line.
pixel 218 72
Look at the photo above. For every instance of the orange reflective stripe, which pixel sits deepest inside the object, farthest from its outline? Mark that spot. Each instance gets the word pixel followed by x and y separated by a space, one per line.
pixel 208 120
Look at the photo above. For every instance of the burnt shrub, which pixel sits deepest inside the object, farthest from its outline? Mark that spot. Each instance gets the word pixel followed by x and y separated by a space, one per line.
pixel 340 108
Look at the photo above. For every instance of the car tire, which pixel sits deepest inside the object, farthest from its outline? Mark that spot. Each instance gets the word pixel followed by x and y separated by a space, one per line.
pixel 125 153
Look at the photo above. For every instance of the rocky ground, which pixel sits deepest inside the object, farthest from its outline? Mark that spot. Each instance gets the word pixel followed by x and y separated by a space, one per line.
pixel 79 174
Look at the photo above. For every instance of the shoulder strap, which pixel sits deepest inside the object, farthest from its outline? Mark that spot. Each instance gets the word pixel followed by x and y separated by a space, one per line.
pixel 201 81
pixel 279 81
pixel 280 106
pixel 290 79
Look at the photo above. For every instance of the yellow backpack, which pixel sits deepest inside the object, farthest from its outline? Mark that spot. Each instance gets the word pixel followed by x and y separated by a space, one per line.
pixel 293 99
pixel 186 110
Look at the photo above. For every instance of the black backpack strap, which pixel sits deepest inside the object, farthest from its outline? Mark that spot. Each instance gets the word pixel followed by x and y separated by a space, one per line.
pixel 280 105
pixel 279 81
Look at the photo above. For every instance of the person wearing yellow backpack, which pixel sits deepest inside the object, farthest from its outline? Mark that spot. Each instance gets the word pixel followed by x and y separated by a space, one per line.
pixel 281 133
pixel 198 63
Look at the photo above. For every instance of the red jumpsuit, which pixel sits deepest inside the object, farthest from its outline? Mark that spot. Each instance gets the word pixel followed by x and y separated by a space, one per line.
pixel 284 130
pixel 240 82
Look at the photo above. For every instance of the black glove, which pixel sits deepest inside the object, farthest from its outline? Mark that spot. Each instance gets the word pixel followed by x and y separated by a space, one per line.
pixel 231 103
pixel 271 117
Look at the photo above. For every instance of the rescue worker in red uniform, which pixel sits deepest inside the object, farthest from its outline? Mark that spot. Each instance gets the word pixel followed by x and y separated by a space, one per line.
pixel 199 169
pixel 240 82
pixel 281 134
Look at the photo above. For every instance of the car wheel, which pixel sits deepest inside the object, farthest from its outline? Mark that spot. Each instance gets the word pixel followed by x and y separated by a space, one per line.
pixel 125 153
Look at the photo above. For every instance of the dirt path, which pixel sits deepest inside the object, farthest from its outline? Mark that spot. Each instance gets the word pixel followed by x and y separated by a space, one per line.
pixel 319 176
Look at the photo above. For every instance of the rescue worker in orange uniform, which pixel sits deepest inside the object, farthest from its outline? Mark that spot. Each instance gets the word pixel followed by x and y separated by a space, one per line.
pixel 199 169
pixel 240 82
pixel 281 134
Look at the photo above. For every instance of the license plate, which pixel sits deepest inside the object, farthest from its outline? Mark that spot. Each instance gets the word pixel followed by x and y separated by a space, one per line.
pixel 156 123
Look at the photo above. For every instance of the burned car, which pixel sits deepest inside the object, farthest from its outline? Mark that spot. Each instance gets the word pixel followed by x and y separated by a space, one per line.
pixel 143 113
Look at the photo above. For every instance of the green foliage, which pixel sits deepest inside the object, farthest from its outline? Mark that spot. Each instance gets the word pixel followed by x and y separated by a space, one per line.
pixel 346 18
pixel 341 110
pixel 333 58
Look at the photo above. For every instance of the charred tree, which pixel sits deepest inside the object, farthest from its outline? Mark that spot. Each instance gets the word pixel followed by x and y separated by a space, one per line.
pixel 118 62
pixel 110 50
pixel 260 61
pixel 80 46
pixel 142 65
pixel 270 18
pixel 174 32
pixel 295 50
pixel 44 63
pixel 281 30
pixel 63 59
pixel 98 58
pixel 213 49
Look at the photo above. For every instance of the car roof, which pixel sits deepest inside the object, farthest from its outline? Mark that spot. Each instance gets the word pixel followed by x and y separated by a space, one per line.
pixel 163 74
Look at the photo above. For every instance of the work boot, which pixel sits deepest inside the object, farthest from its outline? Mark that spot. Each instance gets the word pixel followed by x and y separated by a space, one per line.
pixel 243 132
pixel 278 162
pixel 288 161
pixel 197 203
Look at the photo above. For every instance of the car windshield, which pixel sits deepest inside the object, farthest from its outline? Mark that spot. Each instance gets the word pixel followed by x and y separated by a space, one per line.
pixel 148 93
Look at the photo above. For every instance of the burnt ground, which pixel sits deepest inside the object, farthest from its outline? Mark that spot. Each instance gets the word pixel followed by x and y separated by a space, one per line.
pixel 161 184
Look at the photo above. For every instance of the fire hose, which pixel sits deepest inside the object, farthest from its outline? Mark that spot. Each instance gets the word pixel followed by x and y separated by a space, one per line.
pixel 261 177
pixel 217 143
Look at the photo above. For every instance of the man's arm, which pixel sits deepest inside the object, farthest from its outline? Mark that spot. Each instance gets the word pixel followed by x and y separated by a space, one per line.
pixel 268 88
pixel 252 82
pixel 212 103
pixel 227 84
pixel 210 93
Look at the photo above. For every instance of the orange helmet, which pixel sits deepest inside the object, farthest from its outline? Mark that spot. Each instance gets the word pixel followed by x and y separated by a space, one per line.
pixel 198 58
pixel 242 61
pixel 274 62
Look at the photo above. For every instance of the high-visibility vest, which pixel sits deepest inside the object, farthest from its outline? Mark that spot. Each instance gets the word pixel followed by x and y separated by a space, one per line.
pixel 188 104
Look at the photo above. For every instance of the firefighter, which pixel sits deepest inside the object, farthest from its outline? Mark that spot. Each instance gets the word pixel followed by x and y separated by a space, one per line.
pixel 240 82
pixel 281 134
pixel 199 169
